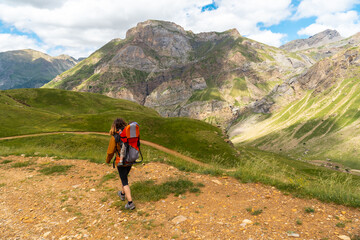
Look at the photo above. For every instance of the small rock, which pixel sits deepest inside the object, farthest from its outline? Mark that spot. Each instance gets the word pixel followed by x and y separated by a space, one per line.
pixel 23 155
pixel 71 219
pixel 179 219
pixel 293 235
pixel 217 182
pixel 344 237
pixel 76 186
pixel 92 190
pixel 247 221
pixel 46 234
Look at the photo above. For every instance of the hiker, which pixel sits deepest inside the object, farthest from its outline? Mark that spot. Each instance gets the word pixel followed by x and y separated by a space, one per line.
pixel 118 125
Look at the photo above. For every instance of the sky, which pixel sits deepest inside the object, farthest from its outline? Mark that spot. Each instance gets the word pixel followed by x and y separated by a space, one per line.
pixel 79 27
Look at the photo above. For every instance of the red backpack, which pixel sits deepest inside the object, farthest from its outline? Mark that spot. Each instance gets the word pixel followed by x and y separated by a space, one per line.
pixel 130 136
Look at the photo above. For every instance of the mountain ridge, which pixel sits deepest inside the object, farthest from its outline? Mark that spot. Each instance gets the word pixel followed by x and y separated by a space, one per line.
pixel 317 40
pixel 206 76
pixel 30 68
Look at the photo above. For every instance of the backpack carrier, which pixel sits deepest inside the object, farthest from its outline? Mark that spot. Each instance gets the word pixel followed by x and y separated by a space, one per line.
pixel 130 136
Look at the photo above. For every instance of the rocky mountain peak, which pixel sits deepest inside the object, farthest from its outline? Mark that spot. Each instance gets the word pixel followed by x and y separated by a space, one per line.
pixel 144 27
pixel 317 40
pixel 163 39
pixel 328 34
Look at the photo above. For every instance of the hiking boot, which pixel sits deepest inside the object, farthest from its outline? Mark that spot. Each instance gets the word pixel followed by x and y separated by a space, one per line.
pixel 130 206
pixel 121 195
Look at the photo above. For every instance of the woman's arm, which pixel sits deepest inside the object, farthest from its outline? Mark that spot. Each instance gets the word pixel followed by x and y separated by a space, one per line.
pixel 111 149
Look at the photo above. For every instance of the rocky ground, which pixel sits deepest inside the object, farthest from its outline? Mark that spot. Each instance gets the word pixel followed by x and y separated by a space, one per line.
pixel 76 205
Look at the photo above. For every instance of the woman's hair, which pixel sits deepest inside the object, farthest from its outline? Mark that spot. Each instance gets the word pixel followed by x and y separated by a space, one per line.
pixel 119 123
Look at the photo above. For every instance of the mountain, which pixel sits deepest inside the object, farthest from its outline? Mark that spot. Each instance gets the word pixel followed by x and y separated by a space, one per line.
pixel 207 76
pixel 30 69
pixel 318 40
pixel 313 116
pixel 330 49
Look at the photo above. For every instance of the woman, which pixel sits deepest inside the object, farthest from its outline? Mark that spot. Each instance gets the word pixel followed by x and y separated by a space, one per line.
pixel 118 125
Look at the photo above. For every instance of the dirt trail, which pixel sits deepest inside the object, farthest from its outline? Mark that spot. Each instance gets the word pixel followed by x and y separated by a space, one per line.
pixel 151 144
pixel 77 205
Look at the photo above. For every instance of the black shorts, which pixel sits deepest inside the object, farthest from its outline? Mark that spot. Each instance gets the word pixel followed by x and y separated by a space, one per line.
pixel 123 173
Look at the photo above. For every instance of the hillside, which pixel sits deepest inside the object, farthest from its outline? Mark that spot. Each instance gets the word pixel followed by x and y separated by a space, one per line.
pixel 207 76
pixel 26 111
pixel 314 116
pixel 30 68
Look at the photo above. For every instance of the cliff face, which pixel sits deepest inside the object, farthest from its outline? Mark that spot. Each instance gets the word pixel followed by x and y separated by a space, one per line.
pixel 207 76
pixel 30 69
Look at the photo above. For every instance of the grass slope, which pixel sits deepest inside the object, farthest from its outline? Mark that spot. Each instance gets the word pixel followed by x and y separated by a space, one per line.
pixel 27 111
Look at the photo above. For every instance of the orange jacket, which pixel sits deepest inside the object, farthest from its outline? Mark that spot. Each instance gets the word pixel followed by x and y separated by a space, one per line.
pixel 111 149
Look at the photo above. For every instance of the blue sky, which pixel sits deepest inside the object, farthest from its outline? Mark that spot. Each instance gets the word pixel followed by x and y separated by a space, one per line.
pixel 79 27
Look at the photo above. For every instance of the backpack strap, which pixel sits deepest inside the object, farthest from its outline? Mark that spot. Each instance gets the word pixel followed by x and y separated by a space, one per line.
pixel 138 143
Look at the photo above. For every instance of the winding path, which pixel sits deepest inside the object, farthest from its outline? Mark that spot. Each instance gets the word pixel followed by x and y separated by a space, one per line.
pixel 151 144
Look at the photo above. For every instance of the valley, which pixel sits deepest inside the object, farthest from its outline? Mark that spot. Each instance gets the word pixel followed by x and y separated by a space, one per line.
pixel 242 120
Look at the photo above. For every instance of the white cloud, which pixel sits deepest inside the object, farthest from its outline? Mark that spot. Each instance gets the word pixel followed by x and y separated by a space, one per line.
pixel 80 26
pixel 268 37
pixel 15 42
pixel 243 15
pixel 309 8
pixel 36 3
pixel 346 23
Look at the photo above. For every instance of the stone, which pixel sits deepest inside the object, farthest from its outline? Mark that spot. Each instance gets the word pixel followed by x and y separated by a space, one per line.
pixel 179 219
pixel 92 190
pixel 71 219
pixel 344 237
pixel 296 235
pixel 217 182
pixel 247 221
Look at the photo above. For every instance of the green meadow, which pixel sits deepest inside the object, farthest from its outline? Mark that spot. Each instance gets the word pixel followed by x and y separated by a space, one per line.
pixel 28 111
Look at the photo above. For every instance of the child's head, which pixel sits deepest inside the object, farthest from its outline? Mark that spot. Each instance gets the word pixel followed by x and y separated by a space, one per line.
pixel 118 123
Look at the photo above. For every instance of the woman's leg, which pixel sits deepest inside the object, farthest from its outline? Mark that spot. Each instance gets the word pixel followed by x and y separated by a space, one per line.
pixel 127 191
pixel 124 172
